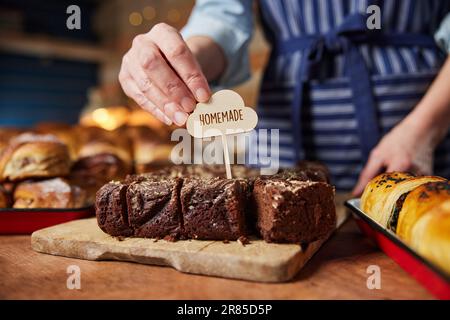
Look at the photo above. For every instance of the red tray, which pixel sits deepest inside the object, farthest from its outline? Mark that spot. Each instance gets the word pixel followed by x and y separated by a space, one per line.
pixel 26 221
pixel 436 280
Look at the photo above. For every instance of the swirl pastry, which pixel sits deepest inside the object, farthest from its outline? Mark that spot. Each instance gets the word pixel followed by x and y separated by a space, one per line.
pixel 34 156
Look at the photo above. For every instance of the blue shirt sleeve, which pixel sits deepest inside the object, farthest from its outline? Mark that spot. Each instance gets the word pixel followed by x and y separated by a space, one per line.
pixel 442 36
pixel 230 24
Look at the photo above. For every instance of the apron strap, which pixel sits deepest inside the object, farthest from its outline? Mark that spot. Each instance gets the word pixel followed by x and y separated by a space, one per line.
pixel 345 39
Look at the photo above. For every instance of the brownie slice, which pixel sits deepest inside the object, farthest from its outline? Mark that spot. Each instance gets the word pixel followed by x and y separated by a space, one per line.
pixel 294 211
pixel 154 209
pixel 214 209
pixel 111 209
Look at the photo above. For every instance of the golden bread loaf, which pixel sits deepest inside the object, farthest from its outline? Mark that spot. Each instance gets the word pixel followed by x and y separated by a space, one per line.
pixel 430 236
pixel 377 191
pixel 418 202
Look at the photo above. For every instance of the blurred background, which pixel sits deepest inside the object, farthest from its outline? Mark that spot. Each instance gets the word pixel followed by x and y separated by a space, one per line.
pixel 73 73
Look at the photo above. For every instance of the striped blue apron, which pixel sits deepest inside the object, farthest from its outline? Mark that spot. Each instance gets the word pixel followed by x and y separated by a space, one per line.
pixel 333 87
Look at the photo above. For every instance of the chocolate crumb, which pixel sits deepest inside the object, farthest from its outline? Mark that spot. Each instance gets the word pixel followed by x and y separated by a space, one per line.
pixel 243 240
pixel 170 238
pixel 226 241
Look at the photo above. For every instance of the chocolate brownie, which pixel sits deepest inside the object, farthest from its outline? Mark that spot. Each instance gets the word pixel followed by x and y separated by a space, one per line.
pixel 294 211
pixel 214 209
pixel 111 209
pixel 201 171
pixel 197 202
pixel 154 209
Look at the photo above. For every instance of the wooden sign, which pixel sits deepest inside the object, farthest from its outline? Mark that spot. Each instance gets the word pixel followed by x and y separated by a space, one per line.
pixel 225 113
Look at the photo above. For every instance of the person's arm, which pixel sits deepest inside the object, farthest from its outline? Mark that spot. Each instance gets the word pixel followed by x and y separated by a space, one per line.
pixel 167 75
pixel 410 145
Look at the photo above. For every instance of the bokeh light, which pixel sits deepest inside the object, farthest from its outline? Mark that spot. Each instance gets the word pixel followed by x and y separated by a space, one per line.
pixel 135 19
pixel 149 13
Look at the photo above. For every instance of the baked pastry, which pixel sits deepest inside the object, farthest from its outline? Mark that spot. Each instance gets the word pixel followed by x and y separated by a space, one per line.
pixel 151 152
pixel 34 156
pixel 52 193
pixel 382 193
pixel 4 198
pixel 397 193
pixel 417 209
pixel 430 235
pixel 413 205
pixel 294 211
pixel 7 134
pixel 377 190
pixel 214 208
pixel 103 156
pixel 64 132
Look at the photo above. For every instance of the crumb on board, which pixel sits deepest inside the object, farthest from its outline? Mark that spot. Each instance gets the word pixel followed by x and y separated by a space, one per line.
pixel 243 240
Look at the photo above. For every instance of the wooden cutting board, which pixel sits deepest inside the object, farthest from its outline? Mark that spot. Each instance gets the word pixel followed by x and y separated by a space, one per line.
pixel 256 261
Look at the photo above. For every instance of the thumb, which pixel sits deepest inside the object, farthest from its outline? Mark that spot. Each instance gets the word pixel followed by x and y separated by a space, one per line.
pixel 372 168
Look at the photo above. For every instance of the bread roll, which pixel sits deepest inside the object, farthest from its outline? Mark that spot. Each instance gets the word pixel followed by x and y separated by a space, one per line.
pixel 6 134
pixel 64 132
pixel 430 236
pixel 417 203
pixel 377 191
pixel 34 156
pixel 52 193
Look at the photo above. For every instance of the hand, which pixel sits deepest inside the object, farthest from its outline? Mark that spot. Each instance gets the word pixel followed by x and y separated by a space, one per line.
pixel 409 146
pixel 161 74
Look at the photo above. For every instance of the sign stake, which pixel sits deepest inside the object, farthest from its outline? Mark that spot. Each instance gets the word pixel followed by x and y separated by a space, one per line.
pixel 226 156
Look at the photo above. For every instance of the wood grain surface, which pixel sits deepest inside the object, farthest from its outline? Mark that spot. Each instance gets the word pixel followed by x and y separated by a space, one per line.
pixel 255 261
pixel 337 271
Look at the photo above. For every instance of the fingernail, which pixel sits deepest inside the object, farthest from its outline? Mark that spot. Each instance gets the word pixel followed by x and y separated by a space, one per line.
pixel 188 104
pixel 180 118
pixel 202 95
pixel 163 117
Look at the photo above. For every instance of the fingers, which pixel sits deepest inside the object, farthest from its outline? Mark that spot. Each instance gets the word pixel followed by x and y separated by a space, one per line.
pixel 372 168
pixel 162 75
pixel 399 164
pixel 407 164
pixel 152 92
pixel 182 60
pixel 132 90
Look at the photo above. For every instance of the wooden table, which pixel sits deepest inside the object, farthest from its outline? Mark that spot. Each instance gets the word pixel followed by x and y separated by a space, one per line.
pixel 337 271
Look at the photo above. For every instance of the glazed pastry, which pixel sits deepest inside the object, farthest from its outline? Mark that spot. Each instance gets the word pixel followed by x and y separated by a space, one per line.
pixel 417 203
pixel 34 156
pixel 4 198
pixel 7 134
pixel 64 132
pixel 52 193
pixel 430 236
pixel 395 196
pixel 377 190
